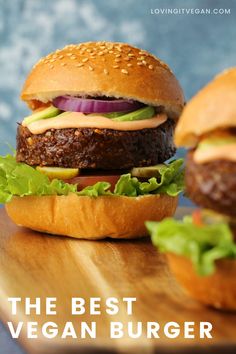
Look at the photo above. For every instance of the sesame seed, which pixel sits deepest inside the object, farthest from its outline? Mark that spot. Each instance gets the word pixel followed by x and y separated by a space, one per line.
pixel 124 71
pixel 130 55
pixel 79 65
pixel 142 53
pixel 61 56
pixel 101 53
pixel 90 68
pixel 117 60
pixel 69 54
pixel 127 59
pixel 140 63
pixel 129 64
pixel 116 66
pixel 105 71
pixel 118 55
pixel 51 66
pixel 52 60
pixel 63 64
pixel 144 62
pixel 84 60
pixel 89 50
pixel 73 57
pixel 150 67
pixel 111 51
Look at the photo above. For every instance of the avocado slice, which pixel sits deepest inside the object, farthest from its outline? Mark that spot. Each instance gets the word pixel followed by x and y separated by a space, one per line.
pixel 48 112
pixel 147 172
pixel 58 172
pixel 114 114
pixel 216 141
pixel 107 115
pixel 139 114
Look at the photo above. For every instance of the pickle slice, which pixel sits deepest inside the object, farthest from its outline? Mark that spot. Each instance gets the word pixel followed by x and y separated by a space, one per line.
pixel 147 172
pixel 58 172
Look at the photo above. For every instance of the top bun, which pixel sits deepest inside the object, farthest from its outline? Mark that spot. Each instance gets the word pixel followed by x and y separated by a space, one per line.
pixel 104 69
pixel 214 107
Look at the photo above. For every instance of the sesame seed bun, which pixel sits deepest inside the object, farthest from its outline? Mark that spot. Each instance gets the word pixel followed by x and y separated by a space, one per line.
pixel 217 290
pixel 213 108
pixel 104 69
pixel 90 217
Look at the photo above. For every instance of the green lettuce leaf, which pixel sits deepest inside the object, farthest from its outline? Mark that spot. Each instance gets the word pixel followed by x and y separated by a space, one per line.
pixel 170 181
pixel 203 245
pixel 19 179
pixel 100 188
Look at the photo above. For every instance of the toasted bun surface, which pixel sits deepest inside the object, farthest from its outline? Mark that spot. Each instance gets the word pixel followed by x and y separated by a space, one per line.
pixel 217 290
pixel 104 69
pixel 213 108
pixel 89 217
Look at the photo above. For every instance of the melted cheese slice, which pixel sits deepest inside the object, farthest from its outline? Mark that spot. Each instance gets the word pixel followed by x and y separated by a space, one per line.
pixel 222 152
pixel 80 120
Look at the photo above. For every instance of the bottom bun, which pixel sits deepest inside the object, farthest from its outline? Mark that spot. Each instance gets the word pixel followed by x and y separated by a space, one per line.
pixel 217 290
pixel 90 217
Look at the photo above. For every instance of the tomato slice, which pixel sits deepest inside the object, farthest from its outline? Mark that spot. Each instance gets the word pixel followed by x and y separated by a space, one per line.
pixel 197 217
pixel 85 181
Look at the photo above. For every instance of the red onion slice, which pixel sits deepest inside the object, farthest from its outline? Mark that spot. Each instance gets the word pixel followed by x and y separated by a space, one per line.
pixel 87 105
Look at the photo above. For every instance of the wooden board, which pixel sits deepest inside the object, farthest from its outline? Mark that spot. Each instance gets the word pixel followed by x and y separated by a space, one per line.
pixel 36 265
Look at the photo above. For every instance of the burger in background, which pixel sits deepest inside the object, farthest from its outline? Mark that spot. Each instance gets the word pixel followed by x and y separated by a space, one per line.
pixel 90 158
pixel 201 249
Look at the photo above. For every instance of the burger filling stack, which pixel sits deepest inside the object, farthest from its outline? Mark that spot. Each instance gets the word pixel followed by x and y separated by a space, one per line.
pixel 201 248
pixel 90 159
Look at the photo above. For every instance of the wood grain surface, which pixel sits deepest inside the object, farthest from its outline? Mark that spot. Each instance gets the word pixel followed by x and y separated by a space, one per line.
pixel 39 265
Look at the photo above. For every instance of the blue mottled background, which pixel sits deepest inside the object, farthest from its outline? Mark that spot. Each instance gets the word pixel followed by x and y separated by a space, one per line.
pixel 195 46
